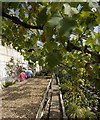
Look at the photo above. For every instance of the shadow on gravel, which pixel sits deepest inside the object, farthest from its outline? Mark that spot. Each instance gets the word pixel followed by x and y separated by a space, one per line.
pixel 14 93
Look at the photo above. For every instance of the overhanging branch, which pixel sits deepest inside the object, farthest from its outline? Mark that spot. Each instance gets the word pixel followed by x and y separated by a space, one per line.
pixel 17 21
pixel 70 46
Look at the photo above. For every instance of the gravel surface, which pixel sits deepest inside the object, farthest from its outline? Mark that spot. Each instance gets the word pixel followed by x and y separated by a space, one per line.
pixel 22 100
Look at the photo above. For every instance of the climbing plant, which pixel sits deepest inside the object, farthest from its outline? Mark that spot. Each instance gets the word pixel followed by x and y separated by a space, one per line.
pixel 13 68
pixel 59 35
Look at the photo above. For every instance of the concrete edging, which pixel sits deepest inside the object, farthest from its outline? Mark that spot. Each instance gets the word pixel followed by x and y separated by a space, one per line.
pixel 61 102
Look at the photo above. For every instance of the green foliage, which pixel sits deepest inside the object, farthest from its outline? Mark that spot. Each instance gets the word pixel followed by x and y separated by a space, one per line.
pixel 75 111
pixel 79 101
pixel 8 83
pixel 42 17
pixel 62 25
pixel 75 59
pixel 53 58
pixel 13 69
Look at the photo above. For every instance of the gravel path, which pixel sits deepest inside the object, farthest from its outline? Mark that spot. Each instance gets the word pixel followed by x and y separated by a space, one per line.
pixel 21 101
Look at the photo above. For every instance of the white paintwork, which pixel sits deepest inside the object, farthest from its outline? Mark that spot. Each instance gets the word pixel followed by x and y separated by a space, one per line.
pixel 5 54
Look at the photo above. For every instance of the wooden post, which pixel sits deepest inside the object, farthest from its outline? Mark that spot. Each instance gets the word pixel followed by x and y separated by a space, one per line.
pixel 45 98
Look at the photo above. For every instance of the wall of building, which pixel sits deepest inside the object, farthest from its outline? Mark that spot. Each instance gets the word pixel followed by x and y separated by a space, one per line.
pixel 5 55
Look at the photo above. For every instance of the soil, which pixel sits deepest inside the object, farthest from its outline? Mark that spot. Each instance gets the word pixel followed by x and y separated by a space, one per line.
pixel 22 100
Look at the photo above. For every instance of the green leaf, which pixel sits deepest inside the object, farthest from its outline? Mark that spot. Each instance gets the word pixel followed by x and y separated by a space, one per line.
pixel 66 25
pixel 50 45
pixel 97 35
pixel 54 21
pixel 90 41
pixel 48 32
pixel 62 25
pixel 42 17
pixel 53 58
pixel 97 48
pixel 70 10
